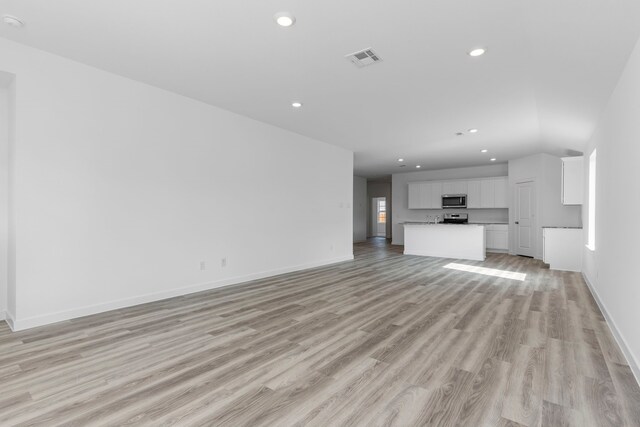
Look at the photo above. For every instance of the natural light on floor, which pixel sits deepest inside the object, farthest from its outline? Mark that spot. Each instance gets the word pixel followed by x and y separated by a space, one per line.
pixel 487 271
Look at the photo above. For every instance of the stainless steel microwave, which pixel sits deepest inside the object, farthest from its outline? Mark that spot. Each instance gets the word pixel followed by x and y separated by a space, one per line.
pixel 454 201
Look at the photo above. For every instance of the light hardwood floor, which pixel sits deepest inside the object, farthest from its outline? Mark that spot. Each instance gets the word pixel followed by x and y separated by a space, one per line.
pixel 384 340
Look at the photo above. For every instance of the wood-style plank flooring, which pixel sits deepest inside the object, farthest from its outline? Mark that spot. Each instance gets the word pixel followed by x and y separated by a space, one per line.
pixel 386 339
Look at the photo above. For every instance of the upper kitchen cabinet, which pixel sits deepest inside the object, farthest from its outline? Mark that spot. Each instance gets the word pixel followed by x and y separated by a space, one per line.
pixel 474 194
pixel 454 187
pixel 425 195
pixel 572 180
pixel 481 193
pixel 436 195
pixel 501 191
pixel 417 197
pixel 487 193
pixel 493 193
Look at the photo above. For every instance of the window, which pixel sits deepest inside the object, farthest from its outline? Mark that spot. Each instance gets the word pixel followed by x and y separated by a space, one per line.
pixel 591 219
pixel 382 211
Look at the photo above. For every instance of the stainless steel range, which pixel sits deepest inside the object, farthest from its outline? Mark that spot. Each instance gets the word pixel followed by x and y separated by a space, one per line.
pixel 456 218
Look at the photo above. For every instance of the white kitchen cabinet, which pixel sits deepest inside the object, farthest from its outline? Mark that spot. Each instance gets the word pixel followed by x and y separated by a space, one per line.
pixel 497 237
pixel 572 180
pixel 436 195
pixel 487 193
pixel 454 187
pixel 425 195
pixel 419 195
pixel 493 193
pixel 562 248
pixel 474 194
pixel 481 193
pixel 414 200
pixel 501 190
pixel 448 187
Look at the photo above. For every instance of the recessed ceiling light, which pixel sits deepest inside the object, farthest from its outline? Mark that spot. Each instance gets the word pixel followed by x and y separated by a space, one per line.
pixel 284 19
pixel 12 20
pixel 484 151
pixel 401 160
pixel 473 130
pixel 459 133
pixel 493 159
pixel 477 52
pixel 296 104
pixel 418 166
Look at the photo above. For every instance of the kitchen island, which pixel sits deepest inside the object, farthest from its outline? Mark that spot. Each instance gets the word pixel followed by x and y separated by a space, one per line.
pixel 459 241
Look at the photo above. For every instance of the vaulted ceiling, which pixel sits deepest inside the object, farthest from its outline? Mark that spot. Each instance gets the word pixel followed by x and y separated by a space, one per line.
pixel 549 68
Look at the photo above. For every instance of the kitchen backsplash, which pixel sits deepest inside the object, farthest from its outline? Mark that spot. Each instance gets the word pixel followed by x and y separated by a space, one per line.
pixel 475 215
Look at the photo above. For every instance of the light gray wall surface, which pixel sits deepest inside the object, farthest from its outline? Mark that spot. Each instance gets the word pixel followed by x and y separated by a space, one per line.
pixel 612 269
pixel 359 209
pixel 121 191
pixel 4 199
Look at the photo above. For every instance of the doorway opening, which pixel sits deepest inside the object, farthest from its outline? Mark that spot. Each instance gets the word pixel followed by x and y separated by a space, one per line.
pixel 379 220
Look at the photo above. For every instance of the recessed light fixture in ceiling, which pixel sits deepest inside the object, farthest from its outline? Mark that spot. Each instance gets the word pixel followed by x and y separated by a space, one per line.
pixel 12 21
pixel 418 166
pixel 484 150
pixel 477 52
pixel 493 159
pixel 401 160
pixel 459 133
pixel 284 19
pixel 473 130
pixel 296 104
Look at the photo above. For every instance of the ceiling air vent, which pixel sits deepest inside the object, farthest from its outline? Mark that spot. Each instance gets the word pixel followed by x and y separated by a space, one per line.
pixel 364 57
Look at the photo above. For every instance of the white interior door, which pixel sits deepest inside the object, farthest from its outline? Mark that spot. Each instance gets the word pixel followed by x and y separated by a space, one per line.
pixel 525 218
pixel 379 218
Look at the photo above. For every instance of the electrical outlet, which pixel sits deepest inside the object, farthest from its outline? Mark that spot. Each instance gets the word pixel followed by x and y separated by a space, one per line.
pixel 203 265
pixel 331 248
pixel 223 262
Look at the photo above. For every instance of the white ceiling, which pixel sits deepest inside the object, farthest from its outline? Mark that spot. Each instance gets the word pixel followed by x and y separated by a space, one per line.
pixel 549 70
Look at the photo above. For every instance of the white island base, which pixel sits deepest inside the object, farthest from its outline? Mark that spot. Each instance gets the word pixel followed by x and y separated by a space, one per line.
pixel 459 241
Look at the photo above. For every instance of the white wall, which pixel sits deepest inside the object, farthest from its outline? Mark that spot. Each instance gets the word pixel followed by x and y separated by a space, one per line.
pixel 612 269
pixel 11 252
pixel 401 196
pixel 546 170
pixel 379 189
pixel 121 190
pixel 359 209
pixel 4 198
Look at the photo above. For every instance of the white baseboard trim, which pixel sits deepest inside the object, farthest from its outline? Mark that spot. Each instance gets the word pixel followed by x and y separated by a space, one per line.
pixel 46 319
pixel 9 318
pixel 622 343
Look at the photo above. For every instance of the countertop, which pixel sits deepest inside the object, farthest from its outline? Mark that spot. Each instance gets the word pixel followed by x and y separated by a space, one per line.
pixel 573 228
pixel 442 223
pixel 431 223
